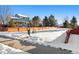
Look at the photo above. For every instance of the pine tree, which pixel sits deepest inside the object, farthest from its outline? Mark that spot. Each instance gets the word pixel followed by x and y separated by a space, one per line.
pixel 65 24
pixel 45 21
pixel 52 21
pixel 36 21
pixel 73 22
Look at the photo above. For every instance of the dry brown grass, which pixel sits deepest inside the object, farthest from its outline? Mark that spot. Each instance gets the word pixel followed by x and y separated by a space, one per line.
pixel 16 44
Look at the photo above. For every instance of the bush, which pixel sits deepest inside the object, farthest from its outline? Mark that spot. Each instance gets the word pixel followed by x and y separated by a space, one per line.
pixel 11 23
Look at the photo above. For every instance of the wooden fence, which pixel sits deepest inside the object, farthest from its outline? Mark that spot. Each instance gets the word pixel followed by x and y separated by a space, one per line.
pixel 21 29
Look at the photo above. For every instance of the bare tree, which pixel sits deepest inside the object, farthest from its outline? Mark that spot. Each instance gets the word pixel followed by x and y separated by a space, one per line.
pixel 5 11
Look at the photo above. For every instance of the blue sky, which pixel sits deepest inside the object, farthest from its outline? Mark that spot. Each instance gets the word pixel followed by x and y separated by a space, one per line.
pixel 59 11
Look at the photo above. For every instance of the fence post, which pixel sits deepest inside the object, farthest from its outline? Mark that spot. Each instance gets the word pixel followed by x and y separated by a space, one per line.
pixel 18 29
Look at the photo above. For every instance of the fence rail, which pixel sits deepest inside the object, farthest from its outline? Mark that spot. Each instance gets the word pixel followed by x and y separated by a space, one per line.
pixel 21 29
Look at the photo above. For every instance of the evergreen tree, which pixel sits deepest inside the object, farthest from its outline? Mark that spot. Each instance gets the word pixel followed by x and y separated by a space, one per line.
pixel 73 22
pixel 52 21
pixel 65 24
pixel 45 21
pixel 36 21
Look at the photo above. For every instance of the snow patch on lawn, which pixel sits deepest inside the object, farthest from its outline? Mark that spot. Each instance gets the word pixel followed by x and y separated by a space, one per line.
pixel 4 49
pixel 53 39
pixel 56 39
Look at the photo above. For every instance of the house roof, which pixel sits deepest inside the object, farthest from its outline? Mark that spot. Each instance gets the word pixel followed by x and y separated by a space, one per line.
pixel 18 19
pixel 21 15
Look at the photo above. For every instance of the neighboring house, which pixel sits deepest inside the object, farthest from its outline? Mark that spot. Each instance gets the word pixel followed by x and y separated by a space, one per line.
pixel 59 25
pixel 20 20
pixel 3 27
pixel 1 22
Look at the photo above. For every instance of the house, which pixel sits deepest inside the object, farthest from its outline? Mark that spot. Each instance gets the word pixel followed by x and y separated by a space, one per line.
pixel 1 22
pixel 20 20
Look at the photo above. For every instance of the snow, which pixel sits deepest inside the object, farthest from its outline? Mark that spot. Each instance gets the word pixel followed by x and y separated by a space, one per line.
pixel 9 50
pixel 56 39
pixel 48 36
pixel 72 45
pixel 14 35
pixel 14 17
pixel 22 15
pixel 4 49
pixel 52 38
pixel 74 39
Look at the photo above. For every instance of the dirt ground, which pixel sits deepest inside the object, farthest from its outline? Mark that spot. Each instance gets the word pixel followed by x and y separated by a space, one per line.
pixel 16 44
pixel 32 48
